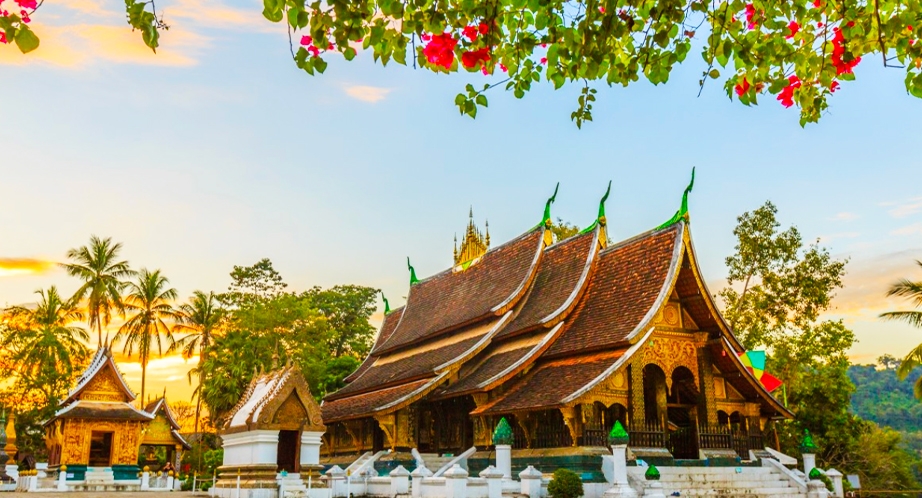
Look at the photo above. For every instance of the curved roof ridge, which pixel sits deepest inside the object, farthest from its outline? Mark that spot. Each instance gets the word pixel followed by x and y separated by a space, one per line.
pixel 525 360
pixel 450 300
pixel 641 235
pixel 668 284
pixel 581 283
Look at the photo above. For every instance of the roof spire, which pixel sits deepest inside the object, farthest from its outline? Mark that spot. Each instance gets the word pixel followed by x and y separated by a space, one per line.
pixel 488 233
pixel 682 213
pixel 546 221
pixel 603 223
pixel 413 279
pixel 387 305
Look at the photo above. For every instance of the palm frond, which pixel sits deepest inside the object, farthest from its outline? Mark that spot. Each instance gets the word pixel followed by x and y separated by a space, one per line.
pixel 913 318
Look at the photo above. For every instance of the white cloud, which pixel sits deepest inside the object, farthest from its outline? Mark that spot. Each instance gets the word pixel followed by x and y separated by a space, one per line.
pixel 841 235
pixel 906 208
pixel 364 93
pixel 845 216
pixel 915 228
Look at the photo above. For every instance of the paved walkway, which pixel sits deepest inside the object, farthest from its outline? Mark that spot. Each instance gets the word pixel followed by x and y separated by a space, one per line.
pixel 107 494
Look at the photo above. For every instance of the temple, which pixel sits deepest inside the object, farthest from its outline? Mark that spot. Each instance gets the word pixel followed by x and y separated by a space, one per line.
pixel 98 427
pixel 562 339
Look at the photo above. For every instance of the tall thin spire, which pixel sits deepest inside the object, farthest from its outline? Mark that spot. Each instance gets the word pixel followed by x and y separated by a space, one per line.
pixel 413 279
pixel 387 305
pixel 682 213
pixel 546 220
pixel 473 244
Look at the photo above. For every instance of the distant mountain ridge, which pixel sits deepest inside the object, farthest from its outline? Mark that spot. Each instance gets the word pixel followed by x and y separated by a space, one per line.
pixel 882 398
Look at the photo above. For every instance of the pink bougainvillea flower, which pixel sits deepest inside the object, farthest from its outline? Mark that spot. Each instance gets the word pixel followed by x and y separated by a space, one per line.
pixel 25 16
pixel 330 46
pixel 2 37
pixel 472 58
pixel 441 50
pixel 544 60
pixel 838 52
pixel 306 40
pixel 833 87
pixel 850 24
pixel 786 96
pixel 27 4
pixel 314 50
pixel 750 16
pixel 601 9
pixel 483 28
pixel 742 88
pixel 794 27
pixel 503 67
pixel 425 37
pixel 819 25
pixel 909 28
pixel 470 32
pixel 544 45
pixel 817 3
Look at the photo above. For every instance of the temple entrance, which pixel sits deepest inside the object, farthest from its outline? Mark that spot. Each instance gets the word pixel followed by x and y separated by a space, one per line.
pixel 377 438
pixel 100 449
pixel 654 394
pixel 681 413
pixel 288 451
pixel 445 426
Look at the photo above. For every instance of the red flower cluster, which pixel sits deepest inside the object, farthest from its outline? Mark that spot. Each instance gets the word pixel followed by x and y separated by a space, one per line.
pixel 817 3
pixel 471 32
pixel 309 43
pixel 27 4
pixel 742 88
pixel 786 96
pixel 2 37
pixel 475 57
pixel 833 87
pixel 794 27
pixel 750 15
pixel 838 50
pixel 440 50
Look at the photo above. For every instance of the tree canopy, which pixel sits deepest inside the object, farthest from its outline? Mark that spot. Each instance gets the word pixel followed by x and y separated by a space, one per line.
pixel 797 52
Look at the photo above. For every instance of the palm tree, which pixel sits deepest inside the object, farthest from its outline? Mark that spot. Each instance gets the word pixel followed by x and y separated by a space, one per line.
pixel 913 292
pixel 44 341
pixel 103 279
pixel 149 298
pixel 200 318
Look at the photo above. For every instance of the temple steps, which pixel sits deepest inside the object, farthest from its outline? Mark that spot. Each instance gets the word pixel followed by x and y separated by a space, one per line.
pixel 736 482
pixel 435 462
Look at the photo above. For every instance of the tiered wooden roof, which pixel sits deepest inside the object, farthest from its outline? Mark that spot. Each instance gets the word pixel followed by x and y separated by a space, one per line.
pixel 101 393
pixel 548 321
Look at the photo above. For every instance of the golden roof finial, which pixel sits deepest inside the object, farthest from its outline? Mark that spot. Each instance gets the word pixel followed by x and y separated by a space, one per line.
pixel 473 243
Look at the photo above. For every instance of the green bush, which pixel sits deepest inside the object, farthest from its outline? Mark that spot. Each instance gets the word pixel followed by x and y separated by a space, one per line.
pixel 565 484
pixel 186 484
pixel 206 486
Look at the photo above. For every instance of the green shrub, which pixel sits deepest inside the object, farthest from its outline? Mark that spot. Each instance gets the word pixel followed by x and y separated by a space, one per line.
pixel 186 484
pixel 206 486
pixel 565 484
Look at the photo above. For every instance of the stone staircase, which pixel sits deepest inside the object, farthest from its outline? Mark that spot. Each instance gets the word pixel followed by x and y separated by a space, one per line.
pixel 291 486
pixel 435 462
pixel 728 482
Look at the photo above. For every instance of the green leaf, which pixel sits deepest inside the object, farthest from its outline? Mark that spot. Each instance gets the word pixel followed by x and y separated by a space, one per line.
pixel 714 74
pixel 482 100
pixel 26 39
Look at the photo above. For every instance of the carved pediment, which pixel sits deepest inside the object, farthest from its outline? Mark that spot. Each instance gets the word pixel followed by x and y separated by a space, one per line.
pixel 291 407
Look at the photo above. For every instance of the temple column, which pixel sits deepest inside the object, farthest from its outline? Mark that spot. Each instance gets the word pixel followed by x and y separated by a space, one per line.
pixel 635 384
pixel 707 405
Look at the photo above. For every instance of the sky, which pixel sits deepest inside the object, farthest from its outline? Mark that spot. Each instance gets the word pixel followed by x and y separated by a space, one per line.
pixel 217 151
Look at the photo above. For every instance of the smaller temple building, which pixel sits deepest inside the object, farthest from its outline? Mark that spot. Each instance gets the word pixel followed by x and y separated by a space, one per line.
pixel 274 429
pixel 97 425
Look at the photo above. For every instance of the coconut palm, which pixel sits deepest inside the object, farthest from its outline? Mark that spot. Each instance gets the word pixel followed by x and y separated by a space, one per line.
pixel 149 302
pixel 912 291
pixel 103 275
pixel 45 335
pixel 199 319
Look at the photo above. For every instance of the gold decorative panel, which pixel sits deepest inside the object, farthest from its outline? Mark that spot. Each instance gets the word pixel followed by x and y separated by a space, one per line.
pixel 158 432
pixel 670 352
pixel 103 387
pixel 126 439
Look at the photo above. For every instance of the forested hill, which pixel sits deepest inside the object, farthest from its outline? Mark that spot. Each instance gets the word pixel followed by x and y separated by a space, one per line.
pixel 882 398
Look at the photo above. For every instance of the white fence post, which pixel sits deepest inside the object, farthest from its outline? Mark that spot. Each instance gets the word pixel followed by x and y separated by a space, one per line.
pixel 400 481
pixel 531 482
pixel 455 482
pixel 494 479
pixel 418 474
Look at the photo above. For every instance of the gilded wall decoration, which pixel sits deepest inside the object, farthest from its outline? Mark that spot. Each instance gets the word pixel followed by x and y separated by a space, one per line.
pixel 389 426
pixel 291 415
pixel 103 387
pixel 571 420
pixel 158 431
pixel 483 431
pixel 126 437
pixel 669 353
pixel 670 315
